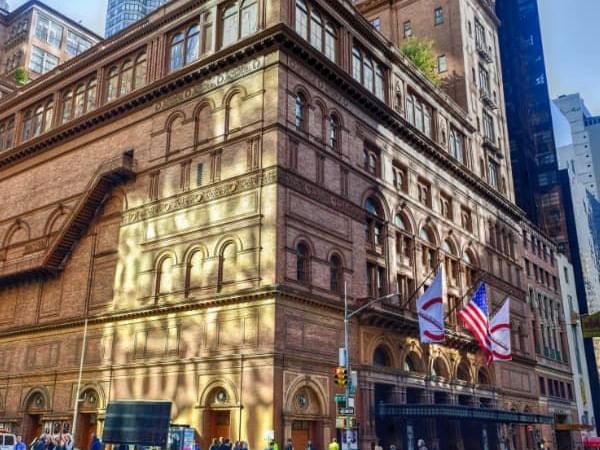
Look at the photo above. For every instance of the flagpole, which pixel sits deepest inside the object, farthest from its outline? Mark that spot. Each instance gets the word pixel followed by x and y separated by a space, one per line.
pixel 469 292
pixel 418 288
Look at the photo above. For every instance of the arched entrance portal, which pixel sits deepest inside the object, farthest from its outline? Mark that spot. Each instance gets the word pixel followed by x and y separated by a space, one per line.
pixel 305 415
pixel 219 415
pixel 87 419
pixel 36 403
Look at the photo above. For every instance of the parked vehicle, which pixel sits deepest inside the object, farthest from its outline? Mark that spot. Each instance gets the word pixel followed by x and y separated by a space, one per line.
pixel 7 441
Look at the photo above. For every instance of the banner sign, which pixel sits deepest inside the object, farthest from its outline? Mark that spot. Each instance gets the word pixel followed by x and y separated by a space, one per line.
pixel 590 325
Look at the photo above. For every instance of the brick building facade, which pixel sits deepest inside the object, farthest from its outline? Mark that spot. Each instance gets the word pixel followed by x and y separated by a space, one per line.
pixel 203 202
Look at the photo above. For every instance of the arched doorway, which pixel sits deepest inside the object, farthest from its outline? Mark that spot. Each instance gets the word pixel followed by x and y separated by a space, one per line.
pixel 35 405
pixel 218 415
pixel 304 415
pixel 87 419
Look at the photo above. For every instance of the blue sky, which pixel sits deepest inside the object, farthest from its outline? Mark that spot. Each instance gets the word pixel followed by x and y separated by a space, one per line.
pixel 570 29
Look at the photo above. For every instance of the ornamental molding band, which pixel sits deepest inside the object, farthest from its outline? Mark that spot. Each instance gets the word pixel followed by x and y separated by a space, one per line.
pixel 214 82
pixel 198 196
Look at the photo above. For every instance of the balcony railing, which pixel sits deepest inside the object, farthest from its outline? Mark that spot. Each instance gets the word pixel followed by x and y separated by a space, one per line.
pixel 484 52
pixel 487 99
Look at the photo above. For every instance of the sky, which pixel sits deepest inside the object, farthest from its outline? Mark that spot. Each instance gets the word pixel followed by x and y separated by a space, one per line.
pixel 570 30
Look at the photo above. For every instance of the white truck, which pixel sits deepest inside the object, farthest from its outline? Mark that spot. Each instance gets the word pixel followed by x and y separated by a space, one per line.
pixel 7 441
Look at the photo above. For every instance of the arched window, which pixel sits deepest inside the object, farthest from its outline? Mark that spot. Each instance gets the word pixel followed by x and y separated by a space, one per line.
pixel 126 78
pixel 203 124
pixel 470 268
pixel 439 368
pixel 67 106
pixel 330 42
pixel 192 44
pixel 451 262
pixel 248 18
pixel 381 357
pixel 300 111
pixel 230 24
pixel 177 42
pixel 194 270
pixel 302 265
pixel 228 264
pixel 335 273
pixel 7 129
pixel 27 125
pixel 37 120
pixel 374 223
pixel 404 241
pixel 334 131
pixel 429 252
pixel 141 67
pixel 207 32
pixel 234 112
pixel 113 84
pixel 316 29
pixel 164 276
pixel 462 373
pixel 302 18
pixel 411 363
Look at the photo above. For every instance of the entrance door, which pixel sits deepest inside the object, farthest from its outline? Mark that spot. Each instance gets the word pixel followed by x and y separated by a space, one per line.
pixel 300 434
pixel 218 424
pixel 32 428
pixel 87 426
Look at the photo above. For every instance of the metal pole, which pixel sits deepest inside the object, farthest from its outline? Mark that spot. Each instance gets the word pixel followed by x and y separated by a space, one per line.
pixel 76 411
pixel 347 361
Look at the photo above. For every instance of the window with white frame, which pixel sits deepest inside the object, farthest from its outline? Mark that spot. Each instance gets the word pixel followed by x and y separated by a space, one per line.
pixel 41 61
pixel 49 31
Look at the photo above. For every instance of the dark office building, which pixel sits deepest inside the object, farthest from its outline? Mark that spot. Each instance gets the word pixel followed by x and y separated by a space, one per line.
pixel 122 13
pixel 531 140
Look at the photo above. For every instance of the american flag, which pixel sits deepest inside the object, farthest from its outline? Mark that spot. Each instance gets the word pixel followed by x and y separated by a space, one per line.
pixel 475 317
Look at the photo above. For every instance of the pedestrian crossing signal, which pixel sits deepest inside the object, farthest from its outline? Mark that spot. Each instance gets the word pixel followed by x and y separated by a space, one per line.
pixel 341 376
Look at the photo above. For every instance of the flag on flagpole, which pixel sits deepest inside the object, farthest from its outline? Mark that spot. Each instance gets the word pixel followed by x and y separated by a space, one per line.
pixel 430 309
pixel 500 331
pixel 475 317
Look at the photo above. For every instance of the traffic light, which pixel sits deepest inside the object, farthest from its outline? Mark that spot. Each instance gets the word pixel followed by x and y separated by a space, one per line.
pixel 341 376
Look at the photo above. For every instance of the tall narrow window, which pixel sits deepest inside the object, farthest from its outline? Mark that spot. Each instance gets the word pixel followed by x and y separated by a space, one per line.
pixel 113 84
pixel 126 78
pixel 67 106
pixel 141 67
pixel 368 73
pixel 79 100
pixel 48 112
pixel 92 90
pixel 335 273
pixel 7 129
pixel 379 83
pixel 407 29
pixel 249 17
pixel 207 32
pixel 333 132
pixel 357 64
pixel 164 277
pixel 177 51
pixel 456 146
pixel 300 111
pixel 302 262
pixel 302 18
pixel 230 24
pixel 192 44
pixel 330 42
pixel 316 29
pixel 438 16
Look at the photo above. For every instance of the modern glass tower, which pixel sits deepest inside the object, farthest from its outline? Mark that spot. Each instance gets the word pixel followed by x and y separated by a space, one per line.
pixel 122 13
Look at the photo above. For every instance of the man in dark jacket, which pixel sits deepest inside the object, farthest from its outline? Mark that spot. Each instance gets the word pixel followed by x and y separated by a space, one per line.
pixel 95 444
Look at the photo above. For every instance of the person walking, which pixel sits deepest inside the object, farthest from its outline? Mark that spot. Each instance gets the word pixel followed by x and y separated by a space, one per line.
pixel 289 445
pixel 421 445
pixel 20 445
pixel 333 445
pixel 309 445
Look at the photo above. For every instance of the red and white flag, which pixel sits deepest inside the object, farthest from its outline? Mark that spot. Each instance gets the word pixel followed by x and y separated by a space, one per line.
pixel 500 331
pixel 430 309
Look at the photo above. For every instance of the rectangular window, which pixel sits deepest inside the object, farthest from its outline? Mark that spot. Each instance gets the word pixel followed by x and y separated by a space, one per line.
pixel 466 219
pixel 41 61
pixel 7 131
pixel 484 81
pixel 446 206
pixel 408 29
pixel 371 161
pixel 442 66
pixel 438 16
pixel 76 44
pixel 479 35
pixel 488 127
pixel 493 173
pixel 424 193
pixel 400 178
pixel 457 145
pixel 49 31
pixel 419 114
pixel 376 22
pixel 199 174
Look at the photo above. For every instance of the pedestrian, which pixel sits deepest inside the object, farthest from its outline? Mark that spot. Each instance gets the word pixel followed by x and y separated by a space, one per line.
pixel 95 444
pixel 214 445
pixel 421 445
pixel 392 447
pixel 274 445
pixel 40 443
pixel 20 445
pixel 69 444
pixel 245 445
pixel 309 445
pixel 333 445
pixel 60 443
pixel 378 446
pixel 289 445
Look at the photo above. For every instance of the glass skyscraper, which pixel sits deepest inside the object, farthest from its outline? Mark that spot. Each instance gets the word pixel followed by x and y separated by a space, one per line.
pixel 122 13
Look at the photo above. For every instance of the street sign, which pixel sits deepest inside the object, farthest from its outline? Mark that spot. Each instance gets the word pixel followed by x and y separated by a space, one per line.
pixel 347 411
pixel 340 398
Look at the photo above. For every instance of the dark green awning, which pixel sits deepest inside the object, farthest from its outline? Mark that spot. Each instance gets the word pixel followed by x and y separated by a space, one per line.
pixel 461 412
